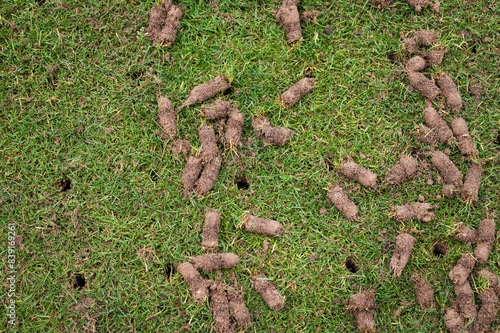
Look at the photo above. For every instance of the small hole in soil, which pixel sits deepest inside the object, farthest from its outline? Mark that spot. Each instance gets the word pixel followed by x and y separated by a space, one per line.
pixel 136 75
pixel 40 2
pixel 228 91
pixel 242 183
pixel 440 249
pixel 474 49
pixel 169 269
pixel 79 281
pixel 393 57
pixel 65 184
pixel 154 176
pixel 351 265
pixel 498 139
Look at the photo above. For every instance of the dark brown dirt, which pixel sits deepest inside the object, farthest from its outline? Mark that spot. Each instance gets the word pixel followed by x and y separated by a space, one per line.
pixel 446 168
pixel 460 273
pixel 414 211
pixel 290 97
pixel 259 124
pixel 449 190
pixel 381 3
pixel 346 206
pixel 238 308
pixel 453 320
pixel 309 17
pixel 424 291
pixel 418 4
pixel 465 299
pixel 427 135
pixel 426 37
pixel 208 177
pixel 355 171
pixel 217 110
pixel 215 261
pixel 276 135
pixel 450 92
pixel 157 16
pixel 181 146
pixel 402 253
pixel 485 239
pixel 208 143
pixel 465 234
pixel 491 278
pixel 472 183
pixel 262 226
pixel 409 44
pixel 476 89
pixel 441 130
pixel 361 306
pixel 234 128
pixel 404 169
pixel 211 228
pixel 198 285
pixel 268 291
pixel 288 14
pixel 219 305
pixel 206 91
pixel 489 307
pixel 167 117
pixel 172 23
pixel 416 64
pixel 459 127
pixel 191 173
pixel 425 86
pixel 435 56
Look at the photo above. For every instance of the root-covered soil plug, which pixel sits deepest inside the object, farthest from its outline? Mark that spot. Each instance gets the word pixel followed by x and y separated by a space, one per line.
pixel 288 15
pixel 191 173
pixel 448 170
pixel 404 169
pixel 435 56
pixel 206 91
pixel 343 203
pixel 198 285
pixel 219 305
pixel 355 171
pixel 259 124
pixel 167 117
pixel 238 308
pixel 460 273
pixel 409 44
pixel 427 135
pixel 208 177
pixel 424 291
pixel 268 291
pixel 425 86
pixel 491 278
pixel 211 228
pixel 489 307
pixel 465 299
pixel 157 16
pixel 416 211
pixel 217 110
pixel 425 37
pixel 402 253
pixel 215 261
pixel 172 24
pixel 459 127
pixel 449 190
pixel 290 97
pixel 208 143
pixel 361 306
pixel 234 128
pixel 485 239
pixel 472 183
pixel 441 130
pixel 453 321
pixel 416 64
pixel 262 226
pixel 465 234
pixel 450 92
pixel 276 135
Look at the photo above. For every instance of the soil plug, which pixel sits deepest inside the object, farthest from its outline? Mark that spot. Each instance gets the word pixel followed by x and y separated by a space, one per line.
pixel 219 305
pixel 288 15
pixel 491 278
pixel 276 135
pixel 234 129
pixel 450 92
pixel 435 56
pixel 409 44
pixel 414 211
pixel 465 234
pixel 215 261
pixel 172 24
pixel 157 16
pixel 167 117
pixel 262 226
pixel 460 273
pixel 206 91
pixel 441 130
pixel 485 239
pixel 217 110
pixel 191 173
pixel 208 143
pixel 447 169
pixel 453 320
pixel 459 127
pixel 425 37
pixel 402 253
pixel 465 299
pixel 416 64
pixel 449 190
pixel 198 285
pixel 425 86
pixel 268 291
pixel 290 97
pixel 211 227
pixel 355 171
pixel 424 291
pixel 238 308
pixel 404 169
pixel 427 135
pixel 361 306
pixel 489 307
pixel 343 203
pixel 472 183
pixel 208 177
pixel 259 124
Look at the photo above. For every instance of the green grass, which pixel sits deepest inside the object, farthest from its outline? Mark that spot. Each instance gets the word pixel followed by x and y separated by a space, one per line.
pixel 94 122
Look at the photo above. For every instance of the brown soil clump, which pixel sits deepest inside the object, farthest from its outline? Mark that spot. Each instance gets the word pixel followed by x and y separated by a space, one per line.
pixel 424 291
pixel 446 168
pixel 465 234
pixel 288 15
pixel 215 261
pixel 355 171
pixel 206 91
pixel 208 177
pixel 453 320
pixel 425 37
pixel 485 239
pixel 435 56
pixel 465 299
pixel 181 146
pixel 164 23
pixel 441 130
pixel 211 228
pixel 238 308
pixel 418 4
pixel 219 305
pixel 217 110
pixel 191 173
pixel 472 183
pixel 343 203
pixel 309 16
pixel 290 97
pixel 459 127
pixel 476 89
pixel 157 16
pixel 425 86
pixel 409 44
pixel 262 226
pixel 234 128
pixel 402 253
pixel 268 291
pixel 361 306
pixel 449 190
pixel 416 64
pixel 460 273
pixel 489 307
pixel 167 117
pixel 259 124
pixel 415 210
pixel 491 278
pixel 276 135
pixel 404 169
pixel 450 92
pixel 208 143
pixel 381 3
pixel 425 134
pixel 198 285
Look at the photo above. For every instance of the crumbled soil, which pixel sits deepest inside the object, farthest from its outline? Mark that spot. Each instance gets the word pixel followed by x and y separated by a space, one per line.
pixel 238 308
pixel 472 183
pixel 234 128
pixel 402 253
pixel 217 110
pixel 413 211
pixel 167 117
pixel 465 300
pixel 181 146
pixel 418 4
pixel 172 24
pixel 409 44
pixel 426 37
pixel 211 228
pixel 465 234
pixel 157 16
pixel 355 171
pixel 288 14
pixel 425 86
pixel 446 168
pixel 460 273
pixel 404 169
pixel 453 320
pixel 459 127
pixel 206 91
pixel 208 143
pixel 450 92
pixel 268 291
pixel 262 226
pixel 309 16
pixel 416 64
pixel 485 239
pixel 439 127
pixel 346 206
pixel 489 307
pixel 259 124
pixel 424 291
pixel 491 278
pixel 191 173
pixel 435 56
pixel 215 261
pixel 290 97
pixel 449 190
pixel 381 3
pixel 361 306
pixel 426 135
pixel 198 285
pixel 476 89
pixel 276 135
pixel 219 306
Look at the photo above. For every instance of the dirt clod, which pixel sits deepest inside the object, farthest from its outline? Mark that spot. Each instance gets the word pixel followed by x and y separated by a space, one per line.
pixel 404 169
pixel 164 23
pixel 219 306
pixel 414 211
pixel 446 168
pixel 435 56
pixel 198 285
pixel 215 261
pixel 262 226
pixel 426 37
pixel 491 278
pixel 427 135
pixel 288 14
pixel 425 86
pixel 234 128
pixel 441 130
pixel 361 307
pixel 465 299
pixel 157 16
pixel 489 307
pixel 424 291
pixel 217 110
pixel 290 97
pixel 208 143
pixel 465 234
pixel 259 124
pixel 238 308
pixel 453 320
pixel 191 173
pixel 409 44
pixel 208 177
pixel 402 253
pixel 211 227
pixel 485 239
pixel 206 91
pixel 181 146
pixel 472 183
pixel 459 127
pixel 276 135
pixel 418 4
pixel 450 92
pixel 355 171
pixel 449 190
pixel 460 273
pixel 167 117
pixel 416 64
pixel 476 89
pixel 268 291
pixel 309 16
pixel 346 206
